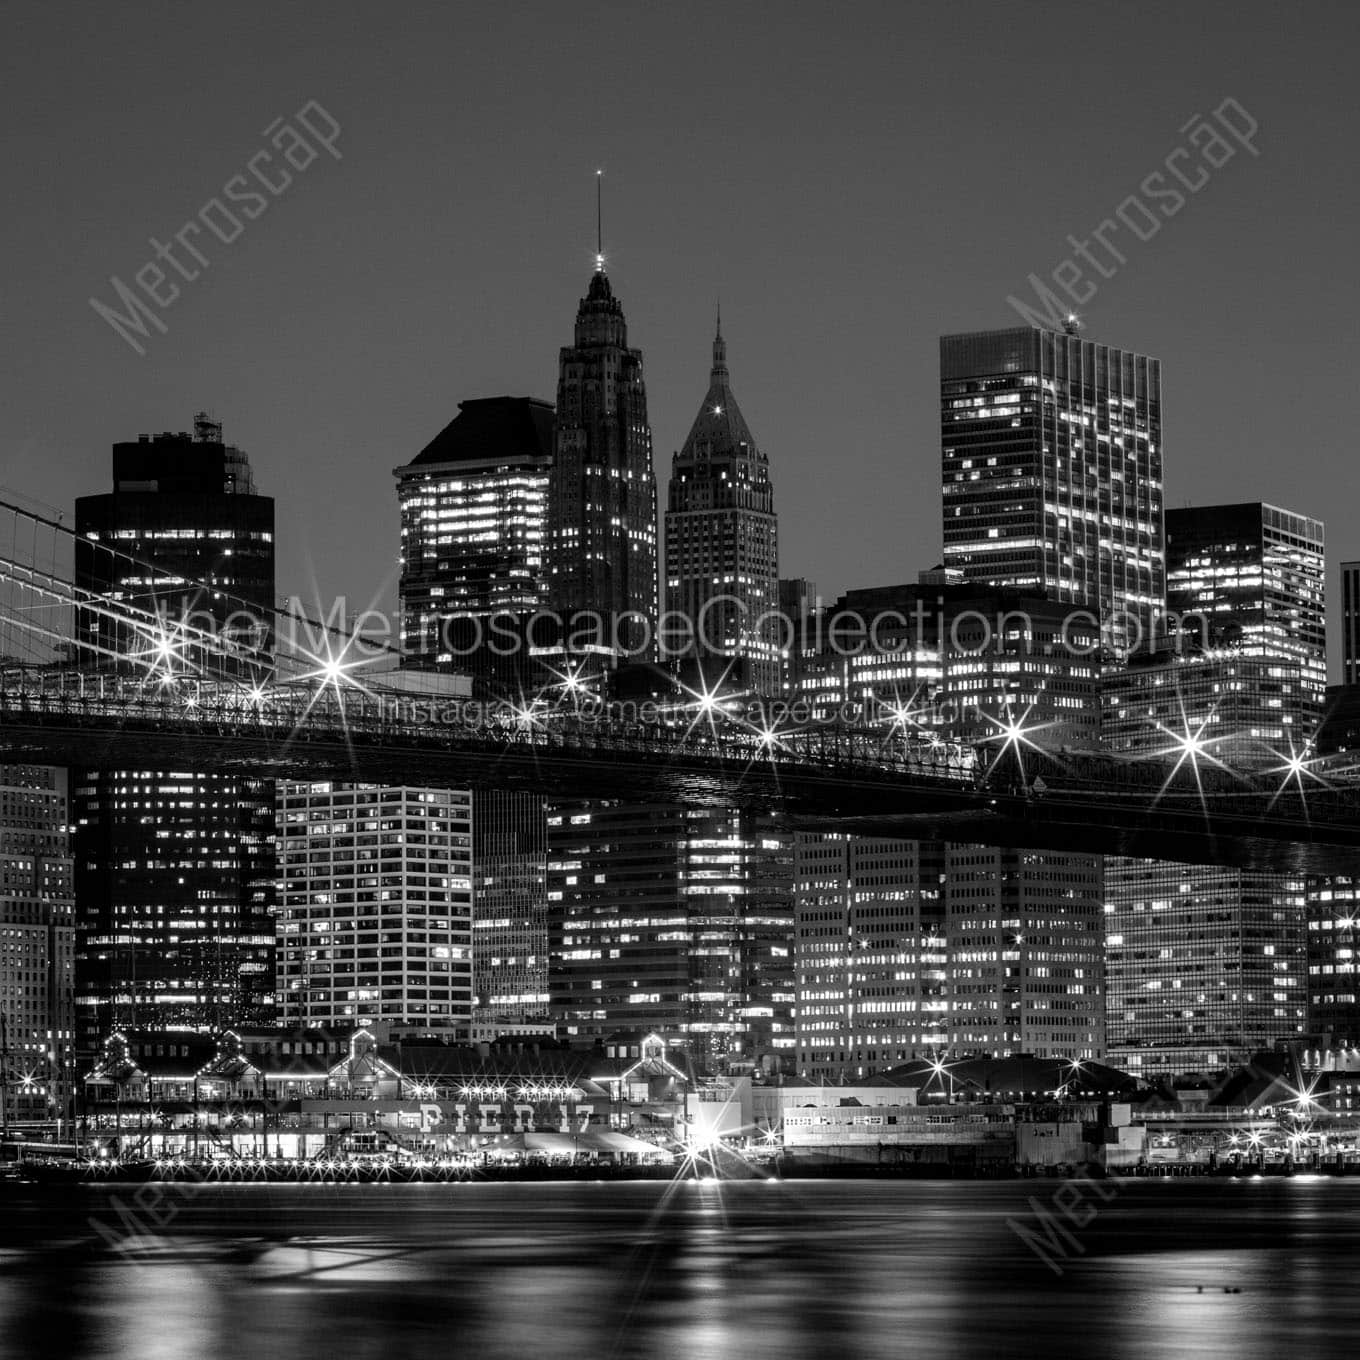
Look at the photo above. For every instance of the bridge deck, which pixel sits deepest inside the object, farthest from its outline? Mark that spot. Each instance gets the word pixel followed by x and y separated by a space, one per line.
pixel 827 779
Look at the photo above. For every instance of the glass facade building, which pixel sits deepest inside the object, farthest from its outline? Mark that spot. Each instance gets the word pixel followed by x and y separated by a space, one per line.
pixel 1245 711
pixel 473 524
pixel 870 953
pixel 1204 964
pixel 1026 953
pixel 509 906
pixel 1251 578
pixel 1010 950
pixel 1052 472
pixel 675 920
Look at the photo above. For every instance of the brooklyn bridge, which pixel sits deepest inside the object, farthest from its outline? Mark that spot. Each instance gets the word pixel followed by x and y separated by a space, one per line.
pixel 94 681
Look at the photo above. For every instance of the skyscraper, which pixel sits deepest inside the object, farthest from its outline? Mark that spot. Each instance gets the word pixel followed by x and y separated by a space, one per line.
pixel 375 918
pixel 722 548
pixel 1252 578
pixel 1333 909
pixel 1052 472
pixel 36 943
pixel 799 606
pixel 1204 963
pixel 509 905
pixel 473 523
pixel 602 532
pixel 870 954
pixel 672 919
pixel 174 870
pixel 977 949
pixel 1024 928
pixel 1246 711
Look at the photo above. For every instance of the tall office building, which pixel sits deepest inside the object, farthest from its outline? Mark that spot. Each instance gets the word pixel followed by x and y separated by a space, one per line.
pixel 1010 956
pixel 473 523
pixel 672 919
pixel 1350 623
pixel 1245 711
pixel 1204 964
pixel 375 909
pixel 1251 578
pixel 1024 927
pixel 1052 477
pixel 799 607
pixel 722 544
pixel 1332 905
pixel 174 870
pixel 1026 945
pixel 509 906
pixel 602 532
pixel 37 935
pixel 1052 472
pixel 870 954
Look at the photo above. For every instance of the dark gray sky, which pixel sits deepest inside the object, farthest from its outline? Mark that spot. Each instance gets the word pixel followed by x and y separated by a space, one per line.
pixel 852 179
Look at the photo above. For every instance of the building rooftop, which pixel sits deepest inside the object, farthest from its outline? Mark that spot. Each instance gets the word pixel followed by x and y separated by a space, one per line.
pixel 511 428
pixel 719 428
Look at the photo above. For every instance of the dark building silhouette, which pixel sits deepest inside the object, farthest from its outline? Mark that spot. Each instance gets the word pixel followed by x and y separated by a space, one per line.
pixel 36 943
pixel 722 543
pixel 174 870
pixel 602 531
pixel 1350 623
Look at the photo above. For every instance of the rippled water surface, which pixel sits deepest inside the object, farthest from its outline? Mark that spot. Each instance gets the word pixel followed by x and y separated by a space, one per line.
pixel 1245 1269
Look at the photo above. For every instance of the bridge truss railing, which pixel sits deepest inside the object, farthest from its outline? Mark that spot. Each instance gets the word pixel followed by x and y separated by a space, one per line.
pixel 291 713
pixel 300 711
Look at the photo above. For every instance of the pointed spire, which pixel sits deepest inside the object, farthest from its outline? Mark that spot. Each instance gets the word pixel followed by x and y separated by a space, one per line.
pixel 719 370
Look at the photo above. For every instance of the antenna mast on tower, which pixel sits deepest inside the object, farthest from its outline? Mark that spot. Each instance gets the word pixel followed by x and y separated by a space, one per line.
pixel 599 221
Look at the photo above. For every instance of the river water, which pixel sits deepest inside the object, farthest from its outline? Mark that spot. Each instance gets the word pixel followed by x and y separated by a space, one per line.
pixel 1242 1269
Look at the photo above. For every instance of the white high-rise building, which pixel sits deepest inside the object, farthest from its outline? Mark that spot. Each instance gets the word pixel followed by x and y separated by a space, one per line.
pixel 375 906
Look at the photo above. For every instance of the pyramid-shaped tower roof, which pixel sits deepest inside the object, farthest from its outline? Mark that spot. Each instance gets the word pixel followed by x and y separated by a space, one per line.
pixel 720 426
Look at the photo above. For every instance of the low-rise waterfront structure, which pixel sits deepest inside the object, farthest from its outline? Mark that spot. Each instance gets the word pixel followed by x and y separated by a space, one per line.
pixel 314 1093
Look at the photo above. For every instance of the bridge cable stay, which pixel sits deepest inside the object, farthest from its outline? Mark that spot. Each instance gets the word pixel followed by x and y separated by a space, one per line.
pixel 31 587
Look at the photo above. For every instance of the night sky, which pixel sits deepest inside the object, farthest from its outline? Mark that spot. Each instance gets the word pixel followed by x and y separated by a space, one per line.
pixel 852 180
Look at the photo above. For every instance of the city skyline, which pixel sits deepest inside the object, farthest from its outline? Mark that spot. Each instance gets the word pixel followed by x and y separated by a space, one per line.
pixel 495 859
pixel 827 320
